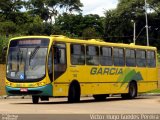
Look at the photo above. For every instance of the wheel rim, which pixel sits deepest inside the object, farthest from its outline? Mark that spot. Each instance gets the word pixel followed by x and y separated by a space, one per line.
pixel 132 91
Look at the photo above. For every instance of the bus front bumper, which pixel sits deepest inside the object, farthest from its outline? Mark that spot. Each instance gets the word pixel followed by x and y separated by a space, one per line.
pixel 46 90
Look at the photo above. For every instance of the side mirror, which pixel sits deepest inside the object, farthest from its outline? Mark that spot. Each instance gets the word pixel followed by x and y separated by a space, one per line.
pixel 4 50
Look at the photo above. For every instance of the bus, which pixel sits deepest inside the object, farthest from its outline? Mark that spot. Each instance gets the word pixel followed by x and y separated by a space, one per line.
pixel 58 66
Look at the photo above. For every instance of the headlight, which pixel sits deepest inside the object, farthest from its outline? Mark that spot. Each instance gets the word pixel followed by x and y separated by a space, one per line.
pixel 41 83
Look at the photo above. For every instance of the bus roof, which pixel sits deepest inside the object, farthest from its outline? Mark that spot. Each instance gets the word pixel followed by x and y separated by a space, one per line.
pixel 101 42
pixel 62 38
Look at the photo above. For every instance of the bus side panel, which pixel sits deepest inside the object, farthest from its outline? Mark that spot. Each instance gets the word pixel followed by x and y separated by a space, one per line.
pixel 61 85
pixel 103 88
pixel 152 79
pixel 149 79
pixel 152 74
pixel 60 89
pixel 98 79
pixel 146 86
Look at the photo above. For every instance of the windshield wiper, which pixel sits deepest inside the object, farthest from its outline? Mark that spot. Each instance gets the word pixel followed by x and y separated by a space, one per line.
pixel 33 53
pixel 19 57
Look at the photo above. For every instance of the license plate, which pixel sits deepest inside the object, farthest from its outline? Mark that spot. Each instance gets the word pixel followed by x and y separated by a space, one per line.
pixel 24 89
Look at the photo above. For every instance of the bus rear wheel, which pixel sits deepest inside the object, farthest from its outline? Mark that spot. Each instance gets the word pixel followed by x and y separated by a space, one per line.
pixel 74 94
pixel 100 97
pixel 35 99
pixel 132 93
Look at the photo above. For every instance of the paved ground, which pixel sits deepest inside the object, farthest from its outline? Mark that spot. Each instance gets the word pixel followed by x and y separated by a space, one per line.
pixel 115 105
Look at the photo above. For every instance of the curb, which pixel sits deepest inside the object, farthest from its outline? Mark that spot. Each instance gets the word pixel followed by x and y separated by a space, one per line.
pixel 149 94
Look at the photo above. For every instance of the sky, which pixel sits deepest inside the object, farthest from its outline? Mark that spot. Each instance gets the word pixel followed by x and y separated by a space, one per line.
pixel 98 6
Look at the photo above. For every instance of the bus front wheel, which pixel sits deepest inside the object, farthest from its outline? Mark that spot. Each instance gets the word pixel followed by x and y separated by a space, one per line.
pixel 74 93
pixel 132 92
pixel 35 99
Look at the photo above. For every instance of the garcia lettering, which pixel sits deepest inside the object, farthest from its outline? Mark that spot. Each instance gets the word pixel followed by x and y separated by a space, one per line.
pixel 106 71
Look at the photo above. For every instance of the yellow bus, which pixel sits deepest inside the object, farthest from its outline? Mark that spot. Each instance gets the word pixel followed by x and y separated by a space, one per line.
pixel 50 66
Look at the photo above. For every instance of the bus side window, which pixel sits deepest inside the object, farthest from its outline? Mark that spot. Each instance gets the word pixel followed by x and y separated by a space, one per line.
pixel 130 57
pixel 141 58
pixel 92 55
pixel 151 59
pixel 77 54
pixel 106 56
pixel 118 56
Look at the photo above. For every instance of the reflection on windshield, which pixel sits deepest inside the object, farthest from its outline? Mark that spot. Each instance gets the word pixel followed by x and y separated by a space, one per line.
pixel 26 63
pixel 33 53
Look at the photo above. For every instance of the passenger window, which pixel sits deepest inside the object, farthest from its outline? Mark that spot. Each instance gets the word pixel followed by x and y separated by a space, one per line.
pixel 118 55
pixel 92 55
pixel 77 54
pixel 141 58
pixel 151 59
pixel 106 56
pixel 130 58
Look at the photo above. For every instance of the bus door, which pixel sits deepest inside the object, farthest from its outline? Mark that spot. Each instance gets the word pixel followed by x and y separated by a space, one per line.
pixel 60 62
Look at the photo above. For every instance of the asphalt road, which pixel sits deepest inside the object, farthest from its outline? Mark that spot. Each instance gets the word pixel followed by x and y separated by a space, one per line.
pixel 113 105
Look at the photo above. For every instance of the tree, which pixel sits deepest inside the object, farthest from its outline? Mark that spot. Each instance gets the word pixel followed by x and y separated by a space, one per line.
pixel 7 28
pixel 47 9
pixel 90 33
pixel 77 24
pixel 154 5
pixel 8 8
pixel 38 7
pixel 118 25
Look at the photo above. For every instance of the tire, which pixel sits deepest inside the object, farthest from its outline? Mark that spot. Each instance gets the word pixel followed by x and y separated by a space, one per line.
pixel 35 99
pixel 74 94
pixel 100 97
pixel 132 92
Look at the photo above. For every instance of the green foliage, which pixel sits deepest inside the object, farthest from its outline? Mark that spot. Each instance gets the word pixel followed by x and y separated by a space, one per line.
pixel 36 18
pixel 46 9
pixel 155 91
pixel 90 33
pixel 76 25
pixel 3 43
pixel 7 27
pixel 158 57
pixel 27 17
pixel 9 9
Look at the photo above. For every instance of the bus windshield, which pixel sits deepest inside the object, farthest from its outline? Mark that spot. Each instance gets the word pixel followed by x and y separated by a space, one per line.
pixel 26 59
